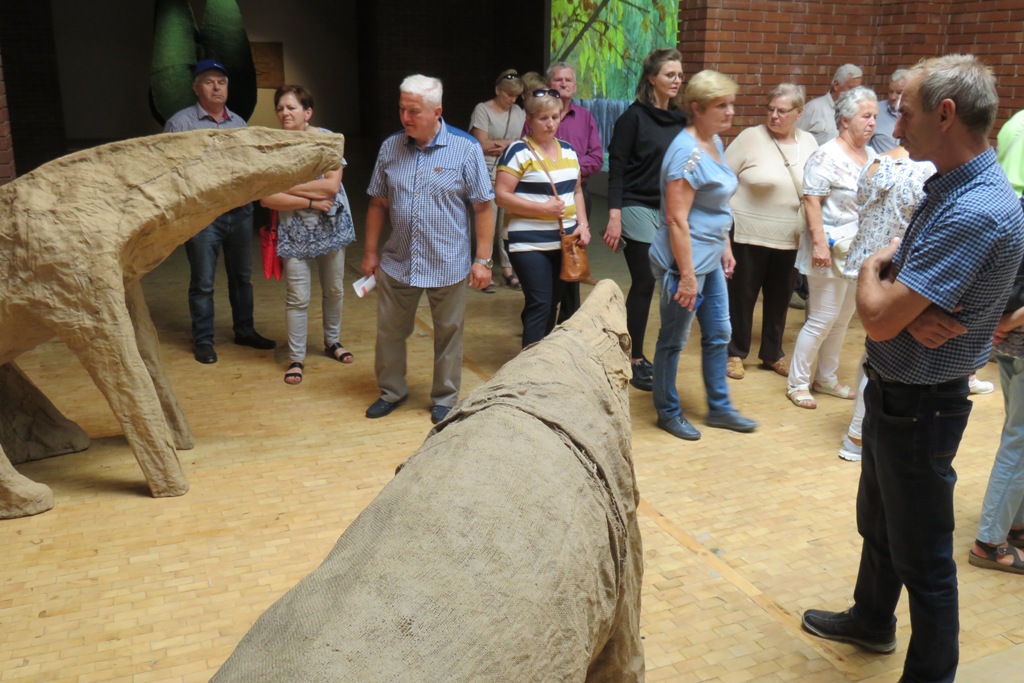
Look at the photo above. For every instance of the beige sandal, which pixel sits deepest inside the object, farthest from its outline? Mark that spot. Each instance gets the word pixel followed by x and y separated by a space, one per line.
pixel 837 389
pixel 802 398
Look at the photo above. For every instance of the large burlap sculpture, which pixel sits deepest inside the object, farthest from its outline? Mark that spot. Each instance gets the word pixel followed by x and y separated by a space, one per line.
pixel 506 549
pixel 76 236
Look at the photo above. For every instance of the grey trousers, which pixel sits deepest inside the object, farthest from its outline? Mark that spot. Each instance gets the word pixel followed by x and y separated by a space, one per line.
pixel 298 275
pixel 396 317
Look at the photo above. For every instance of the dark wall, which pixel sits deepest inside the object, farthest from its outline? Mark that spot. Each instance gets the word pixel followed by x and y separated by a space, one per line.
pixel 31 83
pixel 465 43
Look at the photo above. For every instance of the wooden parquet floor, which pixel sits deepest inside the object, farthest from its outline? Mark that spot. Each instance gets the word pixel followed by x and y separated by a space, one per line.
pixel 741 532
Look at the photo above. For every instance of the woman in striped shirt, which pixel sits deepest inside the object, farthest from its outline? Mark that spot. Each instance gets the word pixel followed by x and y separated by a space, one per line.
pixel 538 185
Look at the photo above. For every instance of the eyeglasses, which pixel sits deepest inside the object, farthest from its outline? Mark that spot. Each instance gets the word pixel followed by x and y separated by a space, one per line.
pixel 546 93
pixel 776 110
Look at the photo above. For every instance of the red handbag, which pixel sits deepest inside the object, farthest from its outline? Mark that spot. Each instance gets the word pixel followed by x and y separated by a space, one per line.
pixel 272 263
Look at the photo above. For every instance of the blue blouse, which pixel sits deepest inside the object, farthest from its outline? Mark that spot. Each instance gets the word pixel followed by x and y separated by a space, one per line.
pixel 710 216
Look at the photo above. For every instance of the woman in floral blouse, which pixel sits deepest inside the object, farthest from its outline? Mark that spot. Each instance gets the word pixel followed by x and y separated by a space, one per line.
pixel 314 227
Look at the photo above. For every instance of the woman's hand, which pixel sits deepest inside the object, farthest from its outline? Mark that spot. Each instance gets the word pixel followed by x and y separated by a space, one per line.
pixel 552 208
pixel 686 292
pixel 613 233
pixel 323 205
pixel 582 233
pixel 821 257
pixel 728 260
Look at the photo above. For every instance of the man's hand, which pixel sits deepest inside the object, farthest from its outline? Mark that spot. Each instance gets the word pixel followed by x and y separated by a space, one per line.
pixel 878 264
pixel 934 327
pixel 370 263
pixel 479 276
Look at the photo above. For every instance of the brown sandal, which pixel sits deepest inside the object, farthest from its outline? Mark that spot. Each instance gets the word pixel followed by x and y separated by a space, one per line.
pixel 991 558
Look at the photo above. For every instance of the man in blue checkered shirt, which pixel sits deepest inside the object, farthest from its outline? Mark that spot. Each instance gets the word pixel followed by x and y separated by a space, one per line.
pixel 929 306
pixel 425 180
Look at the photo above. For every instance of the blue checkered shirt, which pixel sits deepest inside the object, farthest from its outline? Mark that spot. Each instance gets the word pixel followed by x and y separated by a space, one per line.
pixel 962 248
pixel 195 118
pixel 430 191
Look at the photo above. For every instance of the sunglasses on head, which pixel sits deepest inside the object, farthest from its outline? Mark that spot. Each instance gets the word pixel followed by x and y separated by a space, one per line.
pixel 512 76
pixel 546 93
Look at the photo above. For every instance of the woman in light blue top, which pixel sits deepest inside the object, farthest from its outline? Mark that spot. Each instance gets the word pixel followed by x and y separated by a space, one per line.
pixel 314 227
pixel 691 257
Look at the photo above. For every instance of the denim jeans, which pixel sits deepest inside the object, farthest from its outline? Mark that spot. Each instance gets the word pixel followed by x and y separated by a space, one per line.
pixel 233 232
pixel 715 331
pixel 905 516
pixel 1004 499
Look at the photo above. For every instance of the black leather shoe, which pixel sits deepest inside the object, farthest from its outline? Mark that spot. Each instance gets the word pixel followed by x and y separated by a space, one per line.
pixel 204 353
pixel 733 421
pixel 255 340
pixel 679 427
pixel 381 408
pixel 841 626
pixel 438 413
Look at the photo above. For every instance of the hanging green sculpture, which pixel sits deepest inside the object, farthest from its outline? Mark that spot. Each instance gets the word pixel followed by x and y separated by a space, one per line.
pixel 178 44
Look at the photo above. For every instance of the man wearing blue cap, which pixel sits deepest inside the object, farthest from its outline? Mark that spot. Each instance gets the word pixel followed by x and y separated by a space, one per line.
pixel 232 230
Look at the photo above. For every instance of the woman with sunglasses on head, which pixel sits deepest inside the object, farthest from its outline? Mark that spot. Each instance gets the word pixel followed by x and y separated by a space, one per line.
pixel 538 184
pixel 496 123
pixel 691 257
pixel 640 138
pixel 768 161
pixel 314 227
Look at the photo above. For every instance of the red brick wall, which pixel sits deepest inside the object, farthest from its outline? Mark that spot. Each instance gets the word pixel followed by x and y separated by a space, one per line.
pixel 7 172
pixel 996 35
pixel 764 42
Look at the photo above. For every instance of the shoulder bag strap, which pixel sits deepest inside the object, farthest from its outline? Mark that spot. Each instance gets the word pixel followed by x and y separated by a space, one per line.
pixel 789 166
pixel 561 228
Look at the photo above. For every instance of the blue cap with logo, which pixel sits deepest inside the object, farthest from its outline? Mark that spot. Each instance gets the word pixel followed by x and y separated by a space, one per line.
pixel 205 65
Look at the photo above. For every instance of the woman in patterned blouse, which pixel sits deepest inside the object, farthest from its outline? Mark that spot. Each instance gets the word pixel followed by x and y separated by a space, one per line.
pixel 314 227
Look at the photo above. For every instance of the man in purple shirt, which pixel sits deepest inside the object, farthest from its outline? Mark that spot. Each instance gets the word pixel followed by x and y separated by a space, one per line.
pixel 579 129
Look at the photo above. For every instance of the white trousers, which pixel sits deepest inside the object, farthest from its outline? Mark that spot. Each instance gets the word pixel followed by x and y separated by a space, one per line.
pixel 830 306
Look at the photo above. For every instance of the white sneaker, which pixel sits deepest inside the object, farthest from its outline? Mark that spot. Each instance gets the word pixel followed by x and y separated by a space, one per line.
pixel 978 386
pixel 849 450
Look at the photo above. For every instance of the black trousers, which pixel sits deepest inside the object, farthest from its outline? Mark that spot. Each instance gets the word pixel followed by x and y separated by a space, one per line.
pixel 641 291
pixel 760 270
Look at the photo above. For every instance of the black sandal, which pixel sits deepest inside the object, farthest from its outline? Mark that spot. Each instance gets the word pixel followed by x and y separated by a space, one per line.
pixel 344 357
pixel 293 376
pixel 991 558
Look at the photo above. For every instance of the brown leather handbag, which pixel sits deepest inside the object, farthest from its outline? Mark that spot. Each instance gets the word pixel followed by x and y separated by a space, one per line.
pixel 575 264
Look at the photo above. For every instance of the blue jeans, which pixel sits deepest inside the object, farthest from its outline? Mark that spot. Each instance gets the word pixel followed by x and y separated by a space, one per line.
pixel 905 515
pixel 1003 506
pixel 233 232
pixel 715 331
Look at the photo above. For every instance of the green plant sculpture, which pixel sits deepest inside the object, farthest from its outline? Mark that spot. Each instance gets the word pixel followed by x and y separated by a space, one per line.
pixel 178 43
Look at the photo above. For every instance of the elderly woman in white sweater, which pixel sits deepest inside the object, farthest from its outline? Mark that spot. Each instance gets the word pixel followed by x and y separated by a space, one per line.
pixel 768 161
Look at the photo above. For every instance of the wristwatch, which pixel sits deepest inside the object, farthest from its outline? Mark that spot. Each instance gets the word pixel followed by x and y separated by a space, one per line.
pixel 484 262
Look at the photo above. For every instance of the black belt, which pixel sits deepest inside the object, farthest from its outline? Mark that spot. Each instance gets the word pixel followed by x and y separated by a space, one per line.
pixel 959 384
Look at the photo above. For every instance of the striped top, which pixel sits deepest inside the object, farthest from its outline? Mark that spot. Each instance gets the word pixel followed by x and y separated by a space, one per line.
pixel 532 232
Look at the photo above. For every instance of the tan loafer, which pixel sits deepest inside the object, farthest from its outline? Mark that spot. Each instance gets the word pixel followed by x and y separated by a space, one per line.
pixel 734 368
pixel 781 366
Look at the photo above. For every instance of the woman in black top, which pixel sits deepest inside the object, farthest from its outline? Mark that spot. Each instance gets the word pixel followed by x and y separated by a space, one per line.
pixel 640 138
